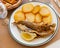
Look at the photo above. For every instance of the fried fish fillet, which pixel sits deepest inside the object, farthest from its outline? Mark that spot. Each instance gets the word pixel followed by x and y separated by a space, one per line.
pixel 43 30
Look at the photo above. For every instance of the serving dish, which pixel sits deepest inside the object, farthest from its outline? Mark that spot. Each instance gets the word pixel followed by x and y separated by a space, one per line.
pixel 15 33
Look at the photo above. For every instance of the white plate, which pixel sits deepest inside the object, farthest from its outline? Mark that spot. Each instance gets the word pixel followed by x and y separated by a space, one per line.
pixel 15 33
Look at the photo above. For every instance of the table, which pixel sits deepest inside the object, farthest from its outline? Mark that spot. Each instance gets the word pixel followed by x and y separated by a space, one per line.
pixel 6 41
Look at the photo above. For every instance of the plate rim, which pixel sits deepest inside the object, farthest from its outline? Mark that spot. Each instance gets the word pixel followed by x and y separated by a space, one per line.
pixel 35 44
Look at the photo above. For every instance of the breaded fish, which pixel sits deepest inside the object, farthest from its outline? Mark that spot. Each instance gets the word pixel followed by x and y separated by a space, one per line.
pixel 43 30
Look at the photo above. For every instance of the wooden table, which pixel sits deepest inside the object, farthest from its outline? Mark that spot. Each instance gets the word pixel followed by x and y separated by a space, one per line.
pixel 6 41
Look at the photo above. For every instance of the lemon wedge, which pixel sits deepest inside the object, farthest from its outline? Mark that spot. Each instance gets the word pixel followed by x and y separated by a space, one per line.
pixel 28 36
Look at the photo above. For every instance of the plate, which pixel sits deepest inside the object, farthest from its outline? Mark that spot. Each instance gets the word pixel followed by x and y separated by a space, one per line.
pixel 15 33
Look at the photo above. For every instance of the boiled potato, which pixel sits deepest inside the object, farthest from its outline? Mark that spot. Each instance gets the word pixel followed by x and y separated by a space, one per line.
pixel 47 20
pixel 27 8
pixel 30 17
pixel 36 9
pixel 44 11
pixel 38 18
pixel 19 16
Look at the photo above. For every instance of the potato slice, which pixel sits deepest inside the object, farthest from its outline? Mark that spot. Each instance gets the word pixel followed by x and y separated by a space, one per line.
pixel 47 20
pixel 19 16
pixel 44 11
pixel 27 8
pixel 36 9
pixel 30 17
pixel 38 18
pixel 28 36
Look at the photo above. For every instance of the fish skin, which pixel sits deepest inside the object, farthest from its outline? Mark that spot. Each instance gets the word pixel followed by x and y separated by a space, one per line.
pixel 37 28
pixel 28 24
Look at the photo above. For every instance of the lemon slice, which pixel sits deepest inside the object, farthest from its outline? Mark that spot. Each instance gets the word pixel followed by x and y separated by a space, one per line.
pixel 28 36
